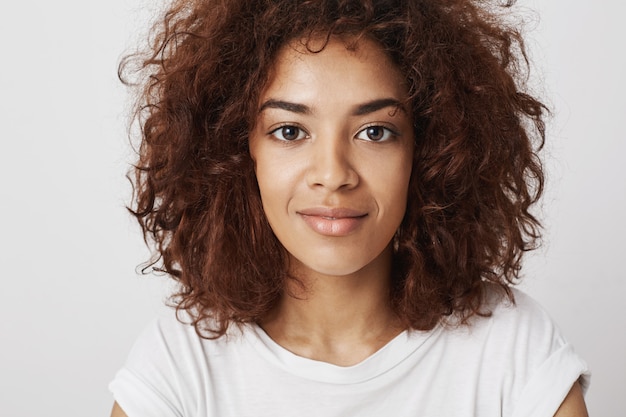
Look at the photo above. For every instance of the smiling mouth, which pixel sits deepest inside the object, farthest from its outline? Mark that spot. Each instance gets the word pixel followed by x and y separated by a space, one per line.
pixel 336 222
pixel 339 218
pixel 333 213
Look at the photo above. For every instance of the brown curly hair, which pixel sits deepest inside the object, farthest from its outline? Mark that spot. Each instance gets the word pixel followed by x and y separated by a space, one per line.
pixel 475 170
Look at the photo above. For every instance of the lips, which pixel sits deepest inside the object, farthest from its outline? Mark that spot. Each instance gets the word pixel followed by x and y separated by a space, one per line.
pixel 335 222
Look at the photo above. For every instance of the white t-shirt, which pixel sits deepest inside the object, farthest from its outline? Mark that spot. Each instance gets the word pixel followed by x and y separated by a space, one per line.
pixel 514 363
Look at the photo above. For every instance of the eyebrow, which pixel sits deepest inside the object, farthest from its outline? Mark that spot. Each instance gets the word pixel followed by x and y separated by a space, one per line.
pixel 285 105
pixel 375 105
pixel 360 110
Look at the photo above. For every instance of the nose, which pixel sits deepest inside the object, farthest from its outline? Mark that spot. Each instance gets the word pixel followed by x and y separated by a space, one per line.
pixel 332 164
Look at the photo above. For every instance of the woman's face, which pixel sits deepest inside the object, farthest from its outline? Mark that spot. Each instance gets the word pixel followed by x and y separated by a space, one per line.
pixel 333 150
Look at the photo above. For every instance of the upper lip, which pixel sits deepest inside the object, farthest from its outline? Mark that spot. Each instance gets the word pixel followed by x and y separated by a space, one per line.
pixel 332 212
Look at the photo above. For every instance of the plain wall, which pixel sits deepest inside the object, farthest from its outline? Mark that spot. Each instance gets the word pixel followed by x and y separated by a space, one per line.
pixel 72 303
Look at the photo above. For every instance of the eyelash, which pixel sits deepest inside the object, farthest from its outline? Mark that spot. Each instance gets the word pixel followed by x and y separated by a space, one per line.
pixel 280 129
pixel 387 133
pixel 302 134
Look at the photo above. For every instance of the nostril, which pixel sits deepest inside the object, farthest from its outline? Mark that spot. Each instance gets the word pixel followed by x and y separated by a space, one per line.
pixel 333 176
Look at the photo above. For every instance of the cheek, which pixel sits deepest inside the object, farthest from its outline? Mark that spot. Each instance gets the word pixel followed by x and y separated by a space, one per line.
pixel 394 188
pixel 275 182
pixel 276 169
pixel 263 177
pixel 261 167
pixel 392 179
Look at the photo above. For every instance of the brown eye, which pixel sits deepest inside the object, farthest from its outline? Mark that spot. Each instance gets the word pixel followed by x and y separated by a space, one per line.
pixel 288 133
pixel 376 134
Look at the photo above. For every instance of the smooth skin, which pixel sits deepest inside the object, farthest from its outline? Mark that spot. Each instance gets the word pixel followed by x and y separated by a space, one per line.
pixel 333 148
pixel 117 411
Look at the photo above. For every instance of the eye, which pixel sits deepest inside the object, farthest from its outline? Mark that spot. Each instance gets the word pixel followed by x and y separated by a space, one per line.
pixel 288 133
pixel 376 134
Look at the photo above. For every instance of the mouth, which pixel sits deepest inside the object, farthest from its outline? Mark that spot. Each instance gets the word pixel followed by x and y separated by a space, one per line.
pixel 334 222
pixel 333 213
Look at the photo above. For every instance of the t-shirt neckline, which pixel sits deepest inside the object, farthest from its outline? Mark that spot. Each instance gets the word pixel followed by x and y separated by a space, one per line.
pixel 386 358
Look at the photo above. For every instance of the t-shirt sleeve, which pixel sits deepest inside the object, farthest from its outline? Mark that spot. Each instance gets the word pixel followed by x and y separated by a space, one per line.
pixel 553 364
pixel 147 384
pixel 555 376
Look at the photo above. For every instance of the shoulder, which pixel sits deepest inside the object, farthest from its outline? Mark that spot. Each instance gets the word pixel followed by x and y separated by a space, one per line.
pixel 519 331
pixel 169 367
pixel 524 315
pixel 537 363
pixel 173 340
pixel 501 314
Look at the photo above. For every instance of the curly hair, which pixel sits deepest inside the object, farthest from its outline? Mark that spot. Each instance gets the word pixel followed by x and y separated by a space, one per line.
pixel 475 171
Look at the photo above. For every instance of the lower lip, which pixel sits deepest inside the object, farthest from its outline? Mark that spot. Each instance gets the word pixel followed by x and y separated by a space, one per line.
pixel 333 227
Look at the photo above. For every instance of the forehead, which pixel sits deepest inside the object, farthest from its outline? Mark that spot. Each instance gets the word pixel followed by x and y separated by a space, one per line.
pixel 360 67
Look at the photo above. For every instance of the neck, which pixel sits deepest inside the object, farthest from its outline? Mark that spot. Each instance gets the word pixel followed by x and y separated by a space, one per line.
pixel 337 319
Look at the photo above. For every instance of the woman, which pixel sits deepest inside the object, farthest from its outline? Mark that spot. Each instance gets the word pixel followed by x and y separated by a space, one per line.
pixel 342 191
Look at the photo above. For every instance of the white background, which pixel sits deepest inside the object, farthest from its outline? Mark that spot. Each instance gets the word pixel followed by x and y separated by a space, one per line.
pixel 71 303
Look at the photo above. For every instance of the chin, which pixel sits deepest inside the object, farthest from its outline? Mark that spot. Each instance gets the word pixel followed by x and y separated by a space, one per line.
pixel 336 270
pixel 337 266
